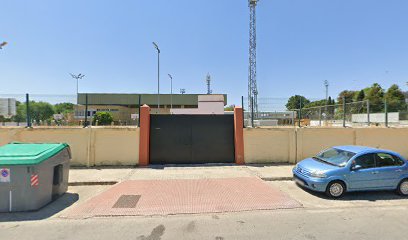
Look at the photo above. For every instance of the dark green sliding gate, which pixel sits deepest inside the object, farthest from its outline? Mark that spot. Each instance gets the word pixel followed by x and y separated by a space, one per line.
pixel 191 139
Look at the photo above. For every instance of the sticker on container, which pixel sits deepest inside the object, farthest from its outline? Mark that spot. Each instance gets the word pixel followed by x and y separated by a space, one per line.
pixel 5 175
pixel 34 180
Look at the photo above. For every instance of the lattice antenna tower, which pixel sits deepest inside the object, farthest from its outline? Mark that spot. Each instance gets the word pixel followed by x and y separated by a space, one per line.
pixel 252 86
pixel 208 80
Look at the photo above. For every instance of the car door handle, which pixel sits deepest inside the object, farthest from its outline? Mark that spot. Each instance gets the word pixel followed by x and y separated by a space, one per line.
pixel 398 170
pixel 376 172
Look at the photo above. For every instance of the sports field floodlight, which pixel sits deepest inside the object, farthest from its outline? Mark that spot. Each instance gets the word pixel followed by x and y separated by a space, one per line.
pixel 77 77
pixel 158 76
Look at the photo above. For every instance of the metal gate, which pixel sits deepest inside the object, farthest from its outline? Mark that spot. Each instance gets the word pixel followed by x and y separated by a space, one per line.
pixel 191 139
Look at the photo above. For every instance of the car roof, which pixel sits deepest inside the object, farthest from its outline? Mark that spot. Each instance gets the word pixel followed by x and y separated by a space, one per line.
pixel 356 149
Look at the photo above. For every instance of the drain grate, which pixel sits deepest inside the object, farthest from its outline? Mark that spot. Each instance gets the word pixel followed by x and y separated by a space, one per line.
pixel 127 201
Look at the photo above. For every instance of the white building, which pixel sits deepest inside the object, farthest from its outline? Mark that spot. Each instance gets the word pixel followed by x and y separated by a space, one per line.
pixel 7 107
pixel 207 104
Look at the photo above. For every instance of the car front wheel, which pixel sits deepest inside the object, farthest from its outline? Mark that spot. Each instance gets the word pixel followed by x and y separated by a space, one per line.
pixel 335 189
pixel 403 187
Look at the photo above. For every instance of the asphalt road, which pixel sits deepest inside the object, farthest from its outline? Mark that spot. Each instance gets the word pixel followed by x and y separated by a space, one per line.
pixel 374 215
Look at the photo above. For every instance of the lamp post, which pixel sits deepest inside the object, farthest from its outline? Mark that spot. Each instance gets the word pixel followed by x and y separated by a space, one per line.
pixel 171 91
pixel 158 76
pixel 77 77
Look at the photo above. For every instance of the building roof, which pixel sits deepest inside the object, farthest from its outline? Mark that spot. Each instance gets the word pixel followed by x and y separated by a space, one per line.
pixel 133 99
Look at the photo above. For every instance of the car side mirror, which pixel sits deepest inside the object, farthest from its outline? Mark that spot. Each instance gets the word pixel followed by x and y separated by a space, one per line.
pixel 355 167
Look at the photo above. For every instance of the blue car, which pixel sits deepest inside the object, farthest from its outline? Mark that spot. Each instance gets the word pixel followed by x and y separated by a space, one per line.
pixel 353 168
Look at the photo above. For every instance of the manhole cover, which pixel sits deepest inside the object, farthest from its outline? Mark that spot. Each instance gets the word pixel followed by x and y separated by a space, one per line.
pixel 127 201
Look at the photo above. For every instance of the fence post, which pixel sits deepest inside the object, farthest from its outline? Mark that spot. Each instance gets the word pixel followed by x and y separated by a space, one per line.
pixel 344 111
pixel 386 113
pixel 368 112
pixel 28 110
pixel 252 111
pixel 300 111
pixel 243 111
pixel 86 110
pixel 320 116
pixel 140 105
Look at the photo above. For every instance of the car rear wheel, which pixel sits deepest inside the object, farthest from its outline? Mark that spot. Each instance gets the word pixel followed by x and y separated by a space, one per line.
pixel 403 187
pixel 335 189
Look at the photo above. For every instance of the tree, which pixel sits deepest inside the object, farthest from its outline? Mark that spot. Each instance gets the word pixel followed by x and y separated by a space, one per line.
pixel 347 95
pixel 229 108
pixel 294 102
pixel 360 96
pixel 64 108
pixel 375 95
pixel 39 111
pixel 395 99
pixel 103 118
pixel 317 103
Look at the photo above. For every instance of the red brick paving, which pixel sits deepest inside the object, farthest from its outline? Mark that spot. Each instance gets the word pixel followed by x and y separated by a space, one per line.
pixel 166 197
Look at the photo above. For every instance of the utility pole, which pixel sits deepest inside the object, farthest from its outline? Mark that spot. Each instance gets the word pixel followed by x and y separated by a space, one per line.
pixel 326 85
pixel 158 76
pixel 208 80
pixel 252 86
pixel 77 77
pixel 171 91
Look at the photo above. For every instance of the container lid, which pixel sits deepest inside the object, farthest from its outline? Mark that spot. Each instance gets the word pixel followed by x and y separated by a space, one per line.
pixel 28 153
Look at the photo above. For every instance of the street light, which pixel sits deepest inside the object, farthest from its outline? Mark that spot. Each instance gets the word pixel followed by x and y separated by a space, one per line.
pixel 158 76
pixel 171 91
pixel 77 77
pixel 3 44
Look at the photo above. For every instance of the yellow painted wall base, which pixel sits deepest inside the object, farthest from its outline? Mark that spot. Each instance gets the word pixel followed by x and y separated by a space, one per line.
pixel 119 146
pixel 96 146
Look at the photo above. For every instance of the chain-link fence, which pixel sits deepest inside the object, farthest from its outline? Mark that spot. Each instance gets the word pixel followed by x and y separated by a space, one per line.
pixel 36 110
pixel 337 115
pixel 348 114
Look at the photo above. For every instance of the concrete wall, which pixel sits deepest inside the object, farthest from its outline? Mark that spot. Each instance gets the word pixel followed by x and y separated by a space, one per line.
pixel 90 146
pixel 98 146
pixel 269 145
pixel 289 145
pixel 393 117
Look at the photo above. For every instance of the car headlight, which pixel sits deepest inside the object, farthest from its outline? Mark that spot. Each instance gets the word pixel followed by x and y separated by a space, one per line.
pixel 318 174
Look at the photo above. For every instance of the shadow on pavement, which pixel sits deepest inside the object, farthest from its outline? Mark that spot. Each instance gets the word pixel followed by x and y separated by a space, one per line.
pixel 47 211
pixel 159 166
pixel 259 165
pixel 360 196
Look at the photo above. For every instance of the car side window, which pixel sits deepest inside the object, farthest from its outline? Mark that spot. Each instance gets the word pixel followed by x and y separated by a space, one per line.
pixel 365 161
pixel 386 160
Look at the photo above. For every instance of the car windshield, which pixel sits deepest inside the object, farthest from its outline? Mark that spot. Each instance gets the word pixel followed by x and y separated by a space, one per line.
pixel 335 156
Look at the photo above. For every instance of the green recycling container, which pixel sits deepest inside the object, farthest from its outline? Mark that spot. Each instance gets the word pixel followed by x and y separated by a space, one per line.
pixel 32 175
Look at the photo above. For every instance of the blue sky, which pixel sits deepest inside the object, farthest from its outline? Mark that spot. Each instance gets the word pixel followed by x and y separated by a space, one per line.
pixel 351 43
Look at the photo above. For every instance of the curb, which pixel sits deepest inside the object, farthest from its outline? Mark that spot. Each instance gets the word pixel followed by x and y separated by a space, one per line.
pixel 277 179
pixel 92 183
pixel 102 183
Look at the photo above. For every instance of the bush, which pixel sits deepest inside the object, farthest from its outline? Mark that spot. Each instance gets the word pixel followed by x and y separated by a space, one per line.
pixel 103 118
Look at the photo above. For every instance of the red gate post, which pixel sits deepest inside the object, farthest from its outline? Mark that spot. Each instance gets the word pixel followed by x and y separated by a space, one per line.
pixel 144 140
pixel 239 135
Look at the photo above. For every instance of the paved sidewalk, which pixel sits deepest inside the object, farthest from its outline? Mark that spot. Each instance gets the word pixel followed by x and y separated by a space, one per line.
pixel 184 196
pixel 100 176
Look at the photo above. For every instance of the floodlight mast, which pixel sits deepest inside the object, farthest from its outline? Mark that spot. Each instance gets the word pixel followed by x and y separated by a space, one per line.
pixel 252 85
pixel 77 77
pixel 158 76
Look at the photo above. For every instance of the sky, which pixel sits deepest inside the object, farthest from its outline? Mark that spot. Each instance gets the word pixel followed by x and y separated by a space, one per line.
pixel 300 43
